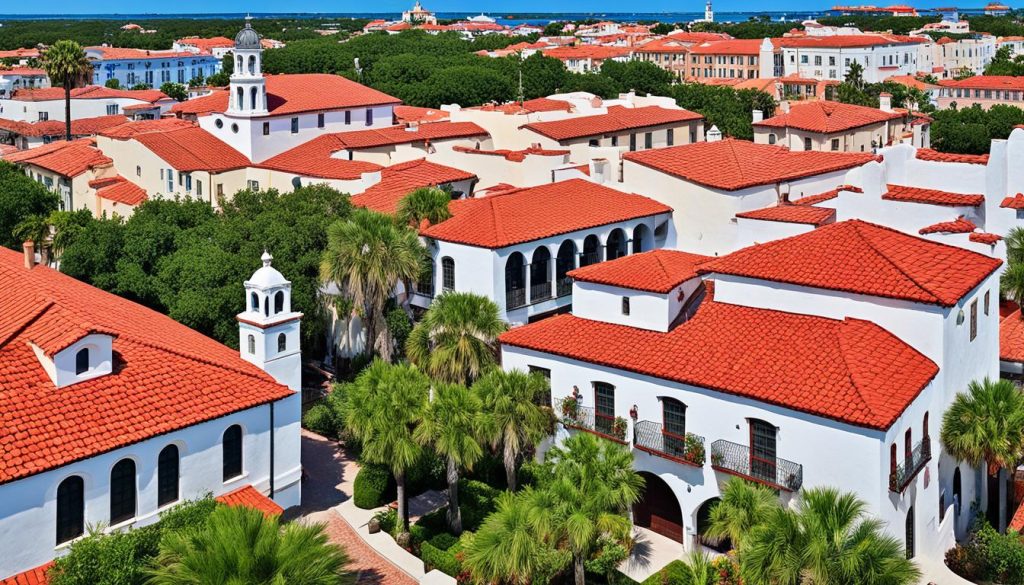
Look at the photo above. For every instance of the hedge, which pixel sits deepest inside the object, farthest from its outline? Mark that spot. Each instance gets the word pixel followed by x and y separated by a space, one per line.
pixel 442 560
pixel 320 420
pixel 371 486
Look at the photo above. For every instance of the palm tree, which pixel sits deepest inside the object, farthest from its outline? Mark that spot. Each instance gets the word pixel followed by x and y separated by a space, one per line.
pixel 1015 246
pixel 743 506
pixel 1011 283
pixel 425 203
pixel 511 417
pixel 506 549
pixel 457 337
pixel 241 545
pixel 450 425
pixel 66 65
pixel 367 255
pixel 828 539
pixel 384 406
pixel 593 488
pixel 986 425
pixel 699 570
pixel 36 229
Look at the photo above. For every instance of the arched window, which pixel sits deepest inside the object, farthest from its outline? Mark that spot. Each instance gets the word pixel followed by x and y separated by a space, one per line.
pixel 616 247
pixel 515 281
pixel 252 344
pixel 540 275
pixel 641 238
pixel 241 98
pixel 957 491
pixel 447 274
pixel 82 361
pixel 771 138
pixel 266 307
pixel 252 98
pixel 278 301
pixel 763 462
pixel 604 407
pixel 232 445
pixel 564 262
pixel 282 342
pixel 238 65
pixel 122 491
pixel 255 301
pixel 252 65
pixel 591 251
pixel 673 414
pixel 924 426
pixel 167 474
pixel 910 533
pixel 70 509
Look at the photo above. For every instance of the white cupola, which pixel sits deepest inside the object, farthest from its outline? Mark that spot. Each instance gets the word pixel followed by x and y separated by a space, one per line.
pixel 248 89
pixel 268 329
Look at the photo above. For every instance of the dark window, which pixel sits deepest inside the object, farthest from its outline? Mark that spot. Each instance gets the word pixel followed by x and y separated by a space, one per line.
pixel 892 459
pixel 369 117
pixel 282 342
pixel 908 445
pixel 320 120
pixel 278 301
pixel 625 305
pixel 974 320
pixel 543 398
pixel 673 414
pixel 447 274
pixel 649 140
pixel 295 125
pixel 252 344
pixel 957 491
pixel 987 300
pixel 670 137
pixel 122 491
pixel 167 476
pixel 632 142
pixel 835 144
pixel 425 285
pixel 615 140
pixel 82 361
pixel 771 138
pixel 807 144
pixel 348 116
pixel 266 128
pixel 232 444
pixel 910 533
pixel 604 407
pixel 762 450
pixel 594 142
pixel 924 426
pixel 70 509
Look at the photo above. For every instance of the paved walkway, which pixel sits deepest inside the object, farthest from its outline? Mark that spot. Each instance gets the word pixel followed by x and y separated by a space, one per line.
pixel 651 552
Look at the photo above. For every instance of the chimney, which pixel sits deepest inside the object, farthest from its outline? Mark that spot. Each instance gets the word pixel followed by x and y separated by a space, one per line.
pixel 758 116
pixel 784 106
pixel 885 102
pixel 713 135
pixel 29 250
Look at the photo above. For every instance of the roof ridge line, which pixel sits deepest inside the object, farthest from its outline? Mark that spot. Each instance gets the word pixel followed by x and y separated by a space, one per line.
pixel 867 242
pixel 840 341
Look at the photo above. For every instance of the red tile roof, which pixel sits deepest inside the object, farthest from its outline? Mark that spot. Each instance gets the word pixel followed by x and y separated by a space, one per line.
pixel 851 41
pixel 533 213
pixel 957 226
pixel 399 180
pixel 984 238
pixel 596 52
pixel 377 137
pixel 1011 337
pixel 850 370
pixel 119 189
pixel 193 149
pixel 936 156
pixel 617 119
pixel 313 159
pixel 827 117
pixel 732 164
pixel 119 53
pixel 527 107
pixel 728 47
pixel 788 213
pixel 657 271
pixel 1007 82
pixel 1013 202
pixel 827 195
pixel 932 196
pixel 90 92
pixel 298 93
pixel 132 129
pixel 406 114
pixel 166 376
pixel 34 576
pixel 863 258
pixel 68 159
pixel 249 497
pixel 207 44
pixel 79 127
pixel 512 155
pixel 664 45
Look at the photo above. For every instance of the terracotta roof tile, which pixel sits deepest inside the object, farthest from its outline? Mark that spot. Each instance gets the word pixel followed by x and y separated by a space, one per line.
pixel 984 238
pixel 936 156
pixel 598 52
pixel 732 164
pixel 313 159
pixel 119 53
pixel 617 119
pixel 68 159
pixel 728 47
pixel 657 271
pixel 249 497
pixel 406 114
pixel 957 226
pixel 119 189
pixel 512 155
pixel 130 129
pixel 1013 202
pixel 166 376
pixel 1005 82
pixel 1011 337
pixel 399 180
pixel 214 102
pixel 826 117
pixel 863 258
pixel 193 149
pixel 932 196
pixel 377 137
pixel 806 214
pixel 848 370
pixel 34 576
pixel 89 92
pixel 527 107
pixel 1017 522
pixel 79 127
pixel 524 215
pixel 827 195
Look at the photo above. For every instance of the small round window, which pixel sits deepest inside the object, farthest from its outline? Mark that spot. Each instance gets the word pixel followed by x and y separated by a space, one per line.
pixel 234 128
pixel 219 123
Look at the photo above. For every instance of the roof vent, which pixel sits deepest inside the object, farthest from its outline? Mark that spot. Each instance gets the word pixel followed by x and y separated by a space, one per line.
pixel 713 135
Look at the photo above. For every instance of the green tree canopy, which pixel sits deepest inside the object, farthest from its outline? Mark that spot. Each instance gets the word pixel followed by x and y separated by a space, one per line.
pixel 21 198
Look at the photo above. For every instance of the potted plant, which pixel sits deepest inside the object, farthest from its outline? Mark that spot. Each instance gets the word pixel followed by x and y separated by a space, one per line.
pixel 717 458
pixel 570 409
pixel 619 426
pixel 694 449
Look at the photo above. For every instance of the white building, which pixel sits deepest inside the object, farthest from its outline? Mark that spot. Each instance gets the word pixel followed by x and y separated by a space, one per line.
pixel 824 359
pixel 93 101
pixel 829 57
pixel 114 413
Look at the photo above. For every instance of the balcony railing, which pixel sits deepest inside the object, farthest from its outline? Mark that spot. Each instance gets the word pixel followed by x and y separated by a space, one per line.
pixel 515 298
pixel 652 438
pixel 904 475
pixel 564 287
pixel 540 291
pixel 588 258
pixel 736 459
pixel 583 418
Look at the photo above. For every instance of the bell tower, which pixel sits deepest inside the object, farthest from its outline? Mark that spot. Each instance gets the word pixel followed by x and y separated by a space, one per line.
pixel 248 88
pixel 268 329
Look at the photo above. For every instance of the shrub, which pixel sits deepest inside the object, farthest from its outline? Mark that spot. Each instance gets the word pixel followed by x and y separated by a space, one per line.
pixel 320 420
pixel 442 560
pixel 490 470
pixel 399 326
pixel 533 474
pixel 388 519
pixel 1004 555
pixel 674 573
pixel 430 525
pixel 428 473
pixel 370 489
pixel 443 541
pixel 477 502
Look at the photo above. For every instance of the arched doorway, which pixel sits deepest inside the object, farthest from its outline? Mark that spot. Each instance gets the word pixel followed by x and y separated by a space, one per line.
pixel 540 275
pixel 515 281
pixel 721 545
pixel 658 509
pixel 616 246
pixel 565 262
pixel 641 239
pixel 591 251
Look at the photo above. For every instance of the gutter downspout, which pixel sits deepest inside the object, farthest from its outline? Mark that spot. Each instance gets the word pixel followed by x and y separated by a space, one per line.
pixel 272 432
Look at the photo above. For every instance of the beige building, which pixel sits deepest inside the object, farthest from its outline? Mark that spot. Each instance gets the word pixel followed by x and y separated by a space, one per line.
pixel 984 90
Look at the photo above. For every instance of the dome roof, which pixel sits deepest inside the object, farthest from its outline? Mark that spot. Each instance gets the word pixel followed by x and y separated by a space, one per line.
pixel 247 38
pixel 267 276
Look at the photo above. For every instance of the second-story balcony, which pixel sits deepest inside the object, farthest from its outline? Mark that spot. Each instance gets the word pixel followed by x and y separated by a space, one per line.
pixel 904 475
pixel 515 298
pixel 540 291
pixel 651 437
pixel 583 418
pixel 740 460
pixel 564 286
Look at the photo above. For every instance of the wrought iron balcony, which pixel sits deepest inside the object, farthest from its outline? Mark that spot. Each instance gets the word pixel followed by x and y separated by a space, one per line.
pixel 515 298
pixel 583 418
pixel 588 258
pixel 564 286
pixel 540 291
pixel 424 289
pixel 736 459
pixel 652 438
pixel 904 475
